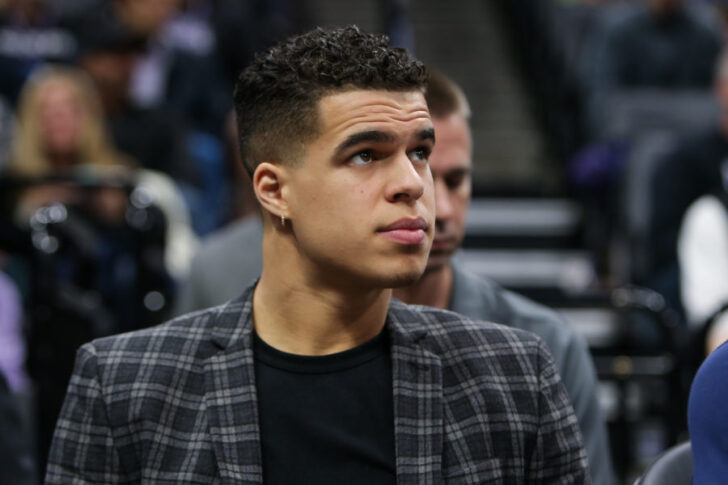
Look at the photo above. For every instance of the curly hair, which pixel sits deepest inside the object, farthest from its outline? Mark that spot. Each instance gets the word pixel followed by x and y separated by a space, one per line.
pixel 277 95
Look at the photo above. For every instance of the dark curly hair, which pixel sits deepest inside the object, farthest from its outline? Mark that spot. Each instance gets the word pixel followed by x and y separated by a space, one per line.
pixel 276 97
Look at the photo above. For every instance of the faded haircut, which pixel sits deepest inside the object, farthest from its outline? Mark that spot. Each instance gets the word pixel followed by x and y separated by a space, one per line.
pixel 444 97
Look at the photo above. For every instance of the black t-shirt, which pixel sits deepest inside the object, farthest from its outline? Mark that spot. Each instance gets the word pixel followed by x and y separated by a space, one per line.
pixel 327 419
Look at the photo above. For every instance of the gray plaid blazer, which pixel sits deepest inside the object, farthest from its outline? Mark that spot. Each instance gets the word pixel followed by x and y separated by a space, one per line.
pixel 176 403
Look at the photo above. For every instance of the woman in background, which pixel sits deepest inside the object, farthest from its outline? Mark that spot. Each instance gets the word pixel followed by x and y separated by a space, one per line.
pixel 111 271
pixel 61 133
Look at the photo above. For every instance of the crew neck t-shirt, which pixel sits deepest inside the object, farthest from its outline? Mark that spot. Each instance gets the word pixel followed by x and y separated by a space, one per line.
pixel 326 419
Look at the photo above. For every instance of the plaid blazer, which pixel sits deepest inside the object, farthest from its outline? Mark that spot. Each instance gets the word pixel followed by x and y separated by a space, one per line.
pixel 176 403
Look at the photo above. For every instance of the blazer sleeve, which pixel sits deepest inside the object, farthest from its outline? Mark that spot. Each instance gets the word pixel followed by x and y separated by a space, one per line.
pixel 82 451
pixel 559 456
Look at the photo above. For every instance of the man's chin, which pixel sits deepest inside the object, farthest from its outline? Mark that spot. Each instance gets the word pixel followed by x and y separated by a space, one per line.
pixel 403 280
pixel 437 260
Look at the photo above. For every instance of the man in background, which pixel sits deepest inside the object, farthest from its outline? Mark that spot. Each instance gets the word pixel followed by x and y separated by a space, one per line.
pixel 229 258
pixel 446 284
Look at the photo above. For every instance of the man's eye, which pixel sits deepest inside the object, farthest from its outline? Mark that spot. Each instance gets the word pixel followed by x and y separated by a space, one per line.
pixel 364 157
pixel 454 181
pixel 420 154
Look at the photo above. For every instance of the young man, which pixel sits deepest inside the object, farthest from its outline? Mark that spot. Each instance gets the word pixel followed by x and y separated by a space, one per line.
pixel 313 375
pixel 446 284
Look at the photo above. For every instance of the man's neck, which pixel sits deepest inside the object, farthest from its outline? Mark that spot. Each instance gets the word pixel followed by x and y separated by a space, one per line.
pixel 433 289
pixel 294 315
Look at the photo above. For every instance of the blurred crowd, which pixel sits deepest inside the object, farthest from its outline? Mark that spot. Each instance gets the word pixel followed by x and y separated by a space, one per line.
pixel 634 97
pixel 118 155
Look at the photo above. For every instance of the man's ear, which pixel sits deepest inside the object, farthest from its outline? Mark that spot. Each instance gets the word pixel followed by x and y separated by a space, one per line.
pixel 269 182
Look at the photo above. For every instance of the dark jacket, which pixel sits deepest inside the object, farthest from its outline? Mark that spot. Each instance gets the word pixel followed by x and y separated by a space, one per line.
pixel 473 403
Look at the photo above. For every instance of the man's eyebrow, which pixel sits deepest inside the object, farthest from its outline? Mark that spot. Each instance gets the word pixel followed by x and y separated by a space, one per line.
pixel 427 134
pixel 457 171
pixel 364 136
pixel 452 172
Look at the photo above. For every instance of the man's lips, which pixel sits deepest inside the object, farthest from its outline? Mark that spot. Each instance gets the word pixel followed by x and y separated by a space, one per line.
pixel 406 231
pixel 443 243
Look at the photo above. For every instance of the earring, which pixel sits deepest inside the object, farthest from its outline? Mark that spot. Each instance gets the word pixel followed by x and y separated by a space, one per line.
pixel 283 220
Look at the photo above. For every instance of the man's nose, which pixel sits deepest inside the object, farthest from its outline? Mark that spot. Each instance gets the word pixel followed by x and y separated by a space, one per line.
pixel 408 183
pixel 443 206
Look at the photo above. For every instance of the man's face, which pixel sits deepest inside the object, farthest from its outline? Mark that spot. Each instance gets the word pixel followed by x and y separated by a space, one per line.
pixel 111 71
pixel 450 163
pixel 147 17
pixel 361 201
pixel 663 6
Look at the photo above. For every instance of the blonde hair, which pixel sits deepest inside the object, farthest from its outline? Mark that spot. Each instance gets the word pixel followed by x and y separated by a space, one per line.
pixel 29 157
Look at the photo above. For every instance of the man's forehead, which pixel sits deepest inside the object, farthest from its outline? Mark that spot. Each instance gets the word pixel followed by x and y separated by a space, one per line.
pixel 344 110
pixel 454 123
pixel 453 150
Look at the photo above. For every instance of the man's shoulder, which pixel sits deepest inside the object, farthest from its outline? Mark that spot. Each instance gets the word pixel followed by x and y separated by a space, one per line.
pixel 449 334
pixel 185 333
pixel 226 262
pixel 233 237
pixel 481 298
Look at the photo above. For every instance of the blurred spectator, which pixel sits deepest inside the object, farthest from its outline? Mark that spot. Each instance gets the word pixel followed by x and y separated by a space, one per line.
pixel 165 71
pixel 178 70
pixel 60 125
pixel 183 67
pixel 142 17
pixel 397 23
pixel 242 201
pixel 119 234
pixel 55 135
pixel 691 170
pixel 31 33
pixel 61 132
pixel 12 340
pixel 71 8
pixel 703 256
pixel 227 259
pixel 664 44
pixel 6 133
pixel 168 134
pixel 243 28
pixel 17 465
pixel 707 419
pixel 156 139
pixel 237 245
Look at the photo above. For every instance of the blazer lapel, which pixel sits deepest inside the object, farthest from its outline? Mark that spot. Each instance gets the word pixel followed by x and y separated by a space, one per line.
pixel 418 401
pixel 230 396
